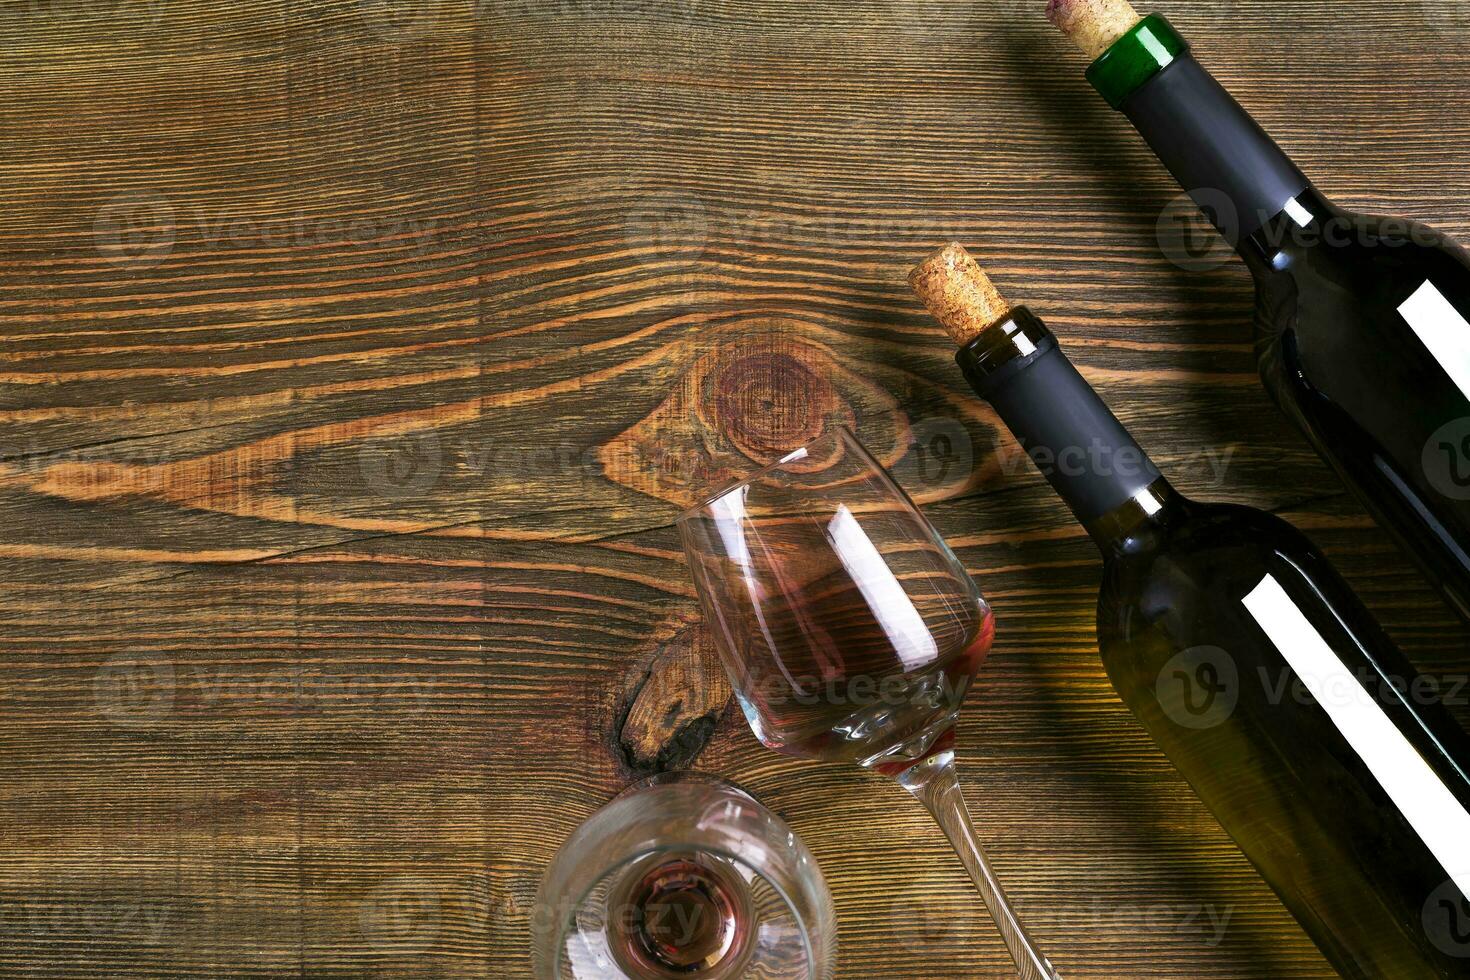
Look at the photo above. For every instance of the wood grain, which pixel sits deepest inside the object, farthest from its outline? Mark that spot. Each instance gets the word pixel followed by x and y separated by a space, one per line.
pixel 358 356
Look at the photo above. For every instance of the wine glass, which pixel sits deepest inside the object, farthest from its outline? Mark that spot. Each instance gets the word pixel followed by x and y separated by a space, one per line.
pixel 850 632
pixel 684 877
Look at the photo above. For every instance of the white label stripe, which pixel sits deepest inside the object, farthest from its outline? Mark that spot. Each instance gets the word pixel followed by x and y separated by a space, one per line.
pixel 1442 329
pixel 1428 805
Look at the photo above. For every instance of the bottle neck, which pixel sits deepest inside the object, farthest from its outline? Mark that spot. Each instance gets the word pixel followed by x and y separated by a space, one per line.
pixel 1308 220
pixel 1069 433
pixel 1129 526
pixel 1236 174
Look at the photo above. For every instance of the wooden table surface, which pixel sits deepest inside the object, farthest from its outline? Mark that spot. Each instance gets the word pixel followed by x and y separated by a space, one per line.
pixel 358 357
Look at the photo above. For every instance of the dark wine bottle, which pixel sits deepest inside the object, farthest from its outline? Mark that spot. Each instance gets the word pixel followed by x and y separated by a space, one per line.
pixel 1362 323
pixel 1250 662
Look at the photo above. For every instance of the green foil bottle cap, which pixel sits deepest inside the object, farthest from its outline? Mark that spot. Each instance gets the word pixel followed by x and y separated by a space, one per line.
pixel 1147 49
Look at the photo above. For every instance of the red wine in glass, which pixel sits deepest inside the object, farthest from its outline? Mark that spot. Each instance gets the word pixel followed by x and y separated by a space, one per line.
pixel 868 704
pixel 850 631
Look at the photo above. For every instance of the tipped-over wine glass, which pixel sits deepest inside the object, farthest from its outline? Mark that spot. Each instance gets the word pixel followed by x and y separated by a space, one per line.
pixel 684 877
pixel 850 632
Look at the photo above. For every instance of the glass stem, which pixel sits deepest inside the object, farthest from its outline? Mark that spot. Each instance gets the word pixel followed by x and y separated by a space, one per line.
pixel 935 782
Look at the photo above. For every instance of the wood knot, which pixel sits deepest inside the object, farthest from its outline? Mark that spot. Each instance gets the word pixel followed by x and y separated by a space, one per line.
pixel 737 408
pixel 774 387
pixel 768 402
pixel 673 704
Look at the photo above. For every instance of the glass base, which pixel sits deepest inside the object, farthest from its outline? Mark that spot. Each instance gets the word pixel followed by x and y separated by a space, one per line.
pixel 684 876
pixel 681 916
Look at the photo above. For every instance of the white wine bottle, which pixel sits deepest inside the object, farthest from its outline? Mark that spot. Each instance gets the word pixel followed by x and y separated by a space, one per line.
pixel 1362 323
pixel 1250 662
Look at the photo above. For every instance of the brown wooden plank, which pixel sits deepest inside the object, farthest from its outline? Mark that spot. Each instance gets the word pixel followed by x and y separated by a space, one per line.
pixel 356 357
